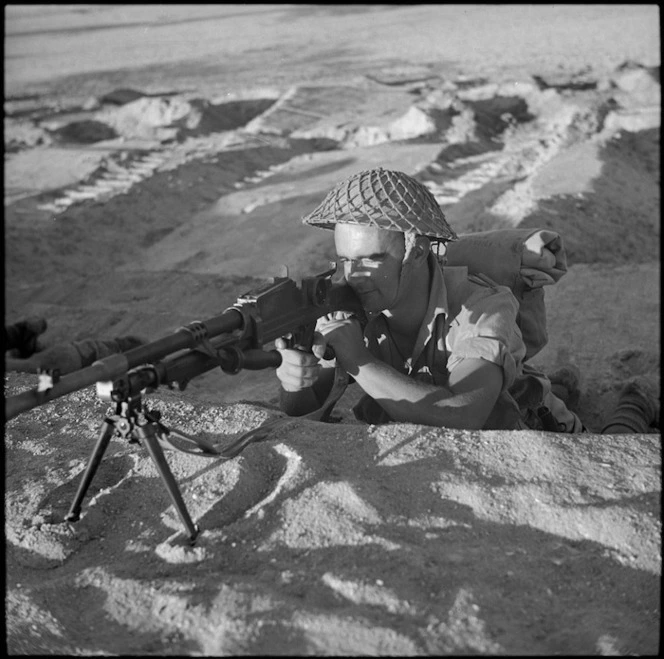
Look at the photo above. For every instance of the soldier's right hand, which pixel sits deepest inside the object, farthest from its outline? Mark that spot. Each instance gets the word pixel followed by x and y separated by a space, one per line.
pixel 299 369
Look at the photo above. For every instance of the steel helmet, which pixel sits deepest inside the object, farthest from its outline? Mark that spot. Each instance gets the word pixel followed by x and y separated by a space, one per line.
pixel 386 200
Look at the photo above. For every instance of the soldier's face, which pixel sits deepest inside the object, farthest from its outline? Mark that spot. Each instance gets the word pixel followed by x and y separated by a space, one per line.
pixel 371 260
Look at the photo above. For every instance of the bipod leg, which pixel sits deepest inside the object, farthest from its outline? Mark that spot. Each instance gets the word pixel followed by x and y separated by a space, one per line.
pixel 105 434
pixel 148 437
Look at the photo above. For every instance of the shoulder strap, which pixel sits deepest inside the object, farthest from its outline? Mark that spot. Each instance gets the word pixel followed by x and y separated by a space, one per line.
pixel 481 279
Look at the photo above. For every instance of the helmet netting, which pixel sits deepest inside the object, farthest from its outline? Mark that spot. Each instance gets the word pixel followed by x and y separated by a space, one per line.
pixel 386 200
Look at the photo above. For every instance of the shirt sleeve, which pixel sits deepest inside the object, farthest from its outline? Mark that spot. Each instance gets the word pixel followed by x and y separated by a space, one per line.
pixel 486 328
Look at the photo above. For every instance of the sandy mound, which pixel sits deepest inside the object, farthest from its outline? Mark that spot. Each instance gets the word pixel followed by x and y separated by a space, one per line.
pixel 382 540
pixel 141 198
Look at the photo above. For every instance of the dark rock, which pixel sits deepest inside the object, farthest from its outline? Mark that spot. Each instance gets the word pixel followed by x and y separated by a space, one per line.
pixel 224 116
pixel 559 81
pixel 317 143
pixel 84 132
pixel 121 96
pixel 492 115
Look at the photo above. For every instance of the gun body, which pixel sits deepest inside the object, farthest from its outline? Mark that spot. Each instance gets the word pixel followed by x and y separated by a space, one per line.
pixel 233 340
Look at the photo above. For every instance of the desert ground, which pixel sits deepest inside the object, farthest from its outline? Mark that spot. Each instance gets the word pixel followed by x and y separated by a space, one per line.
pixel 158 161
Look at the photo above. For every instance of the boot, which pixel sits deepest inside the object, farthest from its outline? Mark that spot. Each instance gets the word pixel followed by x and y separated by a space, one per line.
pixel 637 409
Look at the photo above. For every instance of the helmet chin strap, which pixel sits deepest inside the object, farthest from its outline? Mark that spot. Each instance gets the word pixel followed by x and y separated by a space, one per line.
pixel 404 276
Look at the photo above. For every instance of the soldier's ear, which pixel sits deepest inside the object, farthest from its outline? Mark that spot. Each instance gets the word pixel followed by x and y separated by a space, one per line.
pixel 422 248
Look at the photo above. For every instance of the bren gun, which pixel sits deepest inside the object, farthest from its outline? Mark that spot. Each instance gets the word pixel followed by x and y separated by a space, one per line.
pixel 233 340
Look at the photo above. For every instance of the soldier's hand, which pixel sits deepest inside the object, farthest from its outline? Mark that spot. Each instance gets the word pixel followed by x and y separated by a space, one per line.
pixel 299 368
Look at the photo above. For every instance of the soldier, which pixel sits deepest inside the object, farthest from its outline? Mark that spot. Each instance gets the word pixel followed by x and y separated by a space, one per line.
pixel 439 348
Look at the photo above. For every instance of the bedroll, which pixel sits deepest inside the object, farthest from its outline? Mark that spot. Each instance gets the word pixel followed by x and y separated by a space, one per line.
pixel 525 260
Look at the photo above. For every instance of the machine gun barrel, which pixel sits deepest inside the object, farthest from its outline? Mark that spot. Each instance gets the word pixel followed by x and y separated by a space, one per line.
pixel 183 367
pixel 232 340
pixel 113 366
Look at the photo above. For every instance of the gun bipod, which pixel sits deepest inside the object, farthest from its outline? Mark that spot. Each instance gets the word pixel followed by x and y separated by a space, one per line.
pixel 132 422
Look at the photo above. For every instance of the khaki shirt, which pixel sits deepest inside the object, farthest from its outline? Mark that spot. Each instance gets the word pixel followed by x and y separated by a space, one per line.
pixel 467 317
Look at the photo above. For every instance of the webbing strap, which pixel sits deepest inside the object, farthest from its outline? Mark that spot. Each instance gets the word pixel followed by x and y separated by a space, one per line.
pixel 179 441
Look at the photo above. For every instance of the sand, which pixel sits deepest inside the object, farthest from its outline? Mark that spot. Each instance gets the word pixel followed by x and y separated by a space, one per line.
pixel 149 188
